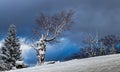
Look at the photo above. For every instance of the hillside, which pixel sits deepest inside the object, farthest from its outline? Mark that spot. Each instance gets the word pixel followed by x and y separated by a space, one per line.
pixel 109 63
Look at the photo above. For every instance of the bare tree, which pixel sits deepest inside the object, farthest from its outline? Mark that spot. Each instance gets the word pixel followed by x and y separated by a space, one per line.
pixel 111 41
pixel 49 28
pixel 113 49
pixel 102 49
pixel 92 41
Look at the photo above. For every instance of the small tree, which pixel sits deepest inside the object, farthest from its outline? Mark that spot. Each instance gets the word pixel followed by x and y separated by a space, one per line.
pixel 92 49
pixel 49 29
pixel 10 51
pixel 111 41
pixel 102 49
pixel 113 49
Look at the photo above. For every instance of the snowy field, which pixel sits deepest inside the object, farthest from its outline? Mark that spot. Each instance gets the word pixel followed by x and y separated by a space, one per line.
pixel 110 63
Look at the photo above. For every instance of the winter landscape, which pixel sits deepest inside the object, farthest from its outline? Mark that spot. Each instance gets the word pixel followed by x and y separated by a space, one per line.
pixel 96 64
pixel 59 35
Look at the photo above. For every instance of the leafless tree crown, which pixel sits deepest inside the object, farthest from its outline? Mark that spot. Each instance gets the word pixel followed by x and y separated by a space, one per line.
pixel 50 26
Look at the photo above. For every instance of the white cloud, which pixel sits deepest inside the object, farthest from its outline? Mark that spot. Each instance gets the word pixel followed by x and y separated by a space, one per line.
pixel 54 51
pixel 25 46
pixel 1 42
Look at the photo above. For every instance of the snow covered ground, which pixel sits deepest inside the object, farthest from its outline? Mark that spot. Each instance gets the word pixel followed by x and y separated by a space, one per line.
pixel 110 63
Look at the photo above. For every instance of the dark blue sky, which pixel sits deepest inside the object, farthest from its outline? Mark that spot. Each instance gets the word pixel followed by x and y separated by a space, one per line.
pixel 90 16
pixel 21 13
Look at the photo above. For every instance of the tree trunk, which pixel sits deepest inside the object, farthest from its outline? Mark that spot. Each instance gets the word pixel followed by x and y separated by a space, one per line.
pixel 41 51
pixel 113 50
pixel 102 50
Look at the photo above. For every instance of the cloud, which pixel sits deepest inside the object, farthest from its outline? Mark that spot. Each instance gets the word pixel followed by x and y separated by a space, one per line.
pixel 1 42
pixel 25 47
pixel 56 51
pixel 60 51
pixel 28 53
pixel 90 15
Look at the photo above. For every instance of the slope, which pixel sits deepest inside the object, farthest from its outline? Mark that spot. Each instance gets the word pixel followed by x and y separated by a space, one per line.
pixel 108 63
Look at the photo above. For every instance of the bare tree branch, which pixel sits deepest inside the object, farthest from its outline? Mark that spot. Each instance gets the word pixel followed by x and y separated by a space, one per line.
pixel 52 26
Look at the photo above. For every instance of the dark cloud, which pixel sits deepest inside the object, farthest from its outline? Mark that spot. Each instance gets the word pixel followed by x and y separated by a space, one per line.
pixel 91 15
pixel 22 13
pixel 102 16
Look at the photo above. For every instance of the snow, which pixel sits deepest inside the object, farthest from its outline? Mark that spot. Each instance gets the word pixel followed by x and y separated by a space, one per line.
pixel 41 52
pixel 19 62
pixel 110 63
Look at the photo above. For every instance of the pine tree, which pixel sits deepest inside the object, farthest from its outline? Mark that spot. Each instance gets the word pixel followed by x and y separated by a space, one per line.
pixel 4 57
pixel 10 52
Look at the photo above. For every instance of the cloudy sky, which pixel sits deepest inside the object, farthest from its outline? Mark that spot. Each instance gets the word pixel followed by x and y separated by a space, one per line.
pixel 90 16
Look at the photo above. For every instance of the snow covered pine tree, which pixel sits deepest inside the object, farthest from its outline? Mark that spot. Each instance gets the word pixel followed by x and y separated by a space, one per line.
pixel 4 56
pixel 49 28
pixel 10 51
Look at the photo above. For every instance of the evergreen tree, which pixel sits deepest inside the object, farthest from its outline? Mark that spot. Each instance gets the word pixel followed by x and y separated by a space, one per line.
pixel 4 57
pixel 10 52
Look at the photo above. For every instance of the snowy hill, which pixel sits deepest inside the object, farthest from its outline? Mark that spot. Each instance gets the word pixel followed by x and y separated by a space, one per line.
pixel 110 63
